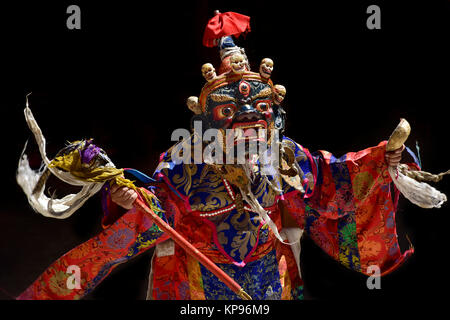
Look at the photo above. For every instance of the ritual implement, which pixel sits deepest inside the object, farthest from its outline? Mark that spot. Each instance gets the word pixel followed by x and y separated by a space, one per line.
pixel 409 181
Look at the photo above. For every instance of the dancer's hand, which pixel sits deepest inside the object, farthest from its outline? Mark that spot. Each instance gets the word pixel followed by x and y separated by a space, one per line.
pixel 393 157
pixel 123 196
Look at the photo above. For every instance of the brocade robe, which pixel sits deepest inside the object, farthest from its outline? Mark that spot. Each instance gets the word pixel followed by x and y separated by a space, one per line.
pixel 347 209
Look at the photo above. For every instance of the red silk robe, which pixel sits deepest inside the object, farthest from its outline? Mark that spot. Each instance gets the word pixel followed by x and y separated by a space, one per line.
pixel 347 209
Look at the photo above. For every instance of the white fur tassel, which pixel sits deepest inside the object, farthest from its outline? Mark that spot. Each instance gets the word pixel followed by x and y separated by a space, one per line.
pixel 419 193
pixel 27 178
pixel 256 206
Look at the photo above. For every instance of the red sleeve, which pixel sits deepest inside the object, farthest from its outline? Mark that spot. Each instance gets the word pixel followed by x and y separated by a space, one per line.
pixel 351 214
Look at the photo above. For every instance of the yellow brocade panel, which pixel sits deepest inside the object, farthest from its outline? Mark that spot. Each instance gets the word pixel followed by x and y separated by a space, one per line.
pixel 285 280
pixel 195 279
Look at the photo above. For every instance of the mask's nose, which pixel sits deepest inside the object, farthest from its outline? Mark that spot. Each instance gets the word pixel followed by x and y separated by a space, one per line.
pixel 247 113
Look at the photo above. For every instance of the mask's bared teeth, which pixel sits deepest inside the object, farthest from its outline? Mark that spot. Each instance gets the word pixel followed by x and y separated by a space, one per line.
pixel 261 133
pixel 250 133
pixel 239 134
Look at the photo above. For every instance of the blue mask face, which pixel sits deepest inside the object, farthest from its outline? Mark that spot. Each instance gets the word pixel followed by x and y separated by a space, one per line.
pixel 240 103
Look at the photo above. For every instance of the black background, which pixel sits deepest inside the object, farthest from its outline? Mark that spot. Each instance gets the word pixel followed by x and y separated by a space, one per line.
pixel 124 77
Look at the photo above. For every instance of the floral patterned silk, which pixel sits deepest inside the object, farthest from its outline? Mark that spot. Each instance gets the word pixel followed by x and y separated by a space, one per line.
pixel 347 210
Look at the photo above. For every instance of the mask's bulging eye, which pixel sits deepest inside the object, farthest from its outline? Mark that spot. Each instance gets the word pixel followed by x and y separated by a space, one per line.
pixel 224 111
pixel 227 111
pixel 263 106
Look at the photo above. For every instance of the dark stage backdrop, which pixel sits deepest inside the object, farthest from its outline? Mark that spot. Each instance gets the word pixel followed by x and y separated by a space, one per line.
pixel 123 80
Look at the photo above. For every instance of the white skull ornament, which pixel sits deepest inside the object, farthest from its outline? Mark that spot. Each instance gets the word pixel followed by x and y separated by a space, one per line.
pixel 237 63
pixel 266 68
pixel 279 92
pixel 208 72
pixel 193 105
